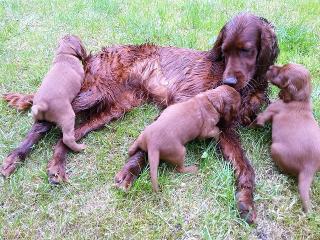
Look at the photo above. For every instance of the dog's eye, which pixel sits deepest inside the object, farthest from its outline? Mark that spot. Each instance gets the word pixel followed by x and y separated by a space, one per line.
pixel 244 50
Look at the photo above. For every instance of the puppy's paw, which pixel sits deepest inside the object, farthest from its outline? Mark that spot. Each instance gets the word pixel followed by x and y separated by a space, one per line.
pixel 189 169
pixel 78 147
pixel 82 146
pixel 259 122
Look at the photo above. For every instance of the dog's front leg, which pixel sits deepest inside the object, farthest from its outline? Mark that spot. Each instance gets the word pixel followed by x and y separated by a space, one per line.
pixel 38 130
pixel 250 106
pixel 245 177
pixel 130 171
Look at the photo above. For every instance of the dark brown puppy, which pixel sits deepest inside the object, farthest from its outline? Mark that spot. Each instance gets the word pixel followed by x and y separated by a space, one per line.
pixel 295 132
pixel 182 122
pixel 120 78
pixel 61 85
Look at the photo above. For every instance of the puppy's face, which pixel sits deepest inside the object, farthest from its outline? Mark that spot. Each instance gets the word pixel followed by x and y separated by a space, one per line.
pixel 71 44
pixel 293 80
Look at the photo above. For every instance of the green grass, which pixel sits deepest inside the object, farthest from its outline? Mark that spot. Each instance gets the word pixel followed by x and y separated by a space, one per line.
pixel 189 206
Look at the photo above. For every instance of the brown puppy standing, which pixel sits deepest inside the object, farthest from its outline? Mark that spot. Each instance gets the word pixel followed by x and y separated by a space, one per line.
pixel 60 86
pixel 295 132
pixel 182 122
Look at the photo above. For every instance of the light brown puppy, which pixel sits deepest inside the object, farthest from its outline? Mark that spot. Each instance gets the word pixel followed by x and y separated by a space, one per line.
pixel 295 132
pixel 182 122
pixel 60 86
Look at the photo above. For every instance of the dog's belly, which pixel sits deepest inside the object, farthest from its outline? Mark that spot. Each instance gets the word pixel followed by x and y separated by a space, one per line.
pixel 149 74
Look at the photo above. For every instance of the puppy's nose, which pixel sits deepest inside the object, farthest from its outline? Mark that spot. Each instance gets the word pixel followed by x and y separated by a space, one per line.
pixel 230 81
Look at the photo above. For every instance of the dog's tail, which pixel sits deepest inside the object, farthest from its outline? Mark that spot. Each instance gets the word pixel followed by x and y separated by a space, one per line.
pixel 38 110
pixel 19 101
pixel 154 159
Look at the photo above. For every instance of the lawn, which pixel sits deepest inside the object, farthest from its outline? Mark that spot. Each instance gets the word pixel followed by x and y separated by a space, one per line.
pixel 200 206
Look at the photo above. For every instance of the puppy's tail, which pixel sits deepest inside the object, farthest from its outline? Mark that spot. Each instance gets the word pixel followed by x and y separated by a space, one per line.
pixel 305 180
pixel 38 110
pixel 154 158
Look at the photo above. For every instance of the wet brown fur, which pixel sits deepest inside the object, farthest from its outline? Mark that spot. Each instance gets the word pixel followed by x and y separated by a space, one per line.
pixel 295 132
pixel 120 78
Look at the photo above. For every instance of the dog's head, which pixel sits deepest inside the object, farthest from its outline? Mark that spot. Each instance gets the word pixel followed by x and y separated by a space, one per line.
pixel 71 44
pixel 294 80
pixel 226 101
pixel 248 46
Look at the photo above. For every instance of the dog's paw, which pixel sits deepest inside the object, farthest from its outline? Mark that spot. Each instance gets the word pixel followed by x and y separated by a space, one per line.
pixel 57 175
pixel 124 180
pixel 246 206
pixel 9 165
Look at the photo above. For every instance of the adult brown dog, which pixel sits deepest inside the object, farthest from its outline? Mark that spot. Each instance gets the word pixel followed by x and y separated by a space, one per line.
pixel 61 85
pixel 120 78
pixel 182 122
pixel 295 132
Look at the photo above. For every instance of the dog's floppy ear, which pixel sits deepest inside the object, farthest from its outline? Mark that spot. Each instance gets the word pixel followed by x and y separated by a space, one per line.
pixel 216 51
pixel 269 49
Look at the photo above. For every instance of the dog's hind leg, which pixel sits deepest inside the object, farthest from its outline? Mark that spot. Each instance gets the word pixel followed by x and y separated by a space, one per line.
pixel 87 99
pixel 38 130
pixel 56 166
pixel 19 101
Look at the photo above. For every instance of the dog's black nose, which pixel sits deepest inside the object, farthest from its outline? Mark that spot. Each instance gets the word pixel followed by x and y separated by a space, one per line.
pixel 230 81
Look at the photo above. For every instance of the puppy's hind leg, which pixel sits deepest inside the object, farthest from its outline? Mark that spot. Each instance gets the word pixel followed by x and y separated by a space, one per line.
pixel 67 125
pixel 181 168
pixel 305 179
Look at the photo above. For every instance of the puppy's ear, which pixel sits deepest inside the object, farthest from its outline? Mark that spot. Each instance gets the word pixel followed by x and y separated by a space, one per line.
pixel 231 112
pixel 227 113
pixel 299 94
pixel 269 49
pixel 285 95
pixel 216 51
pixel 80 50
